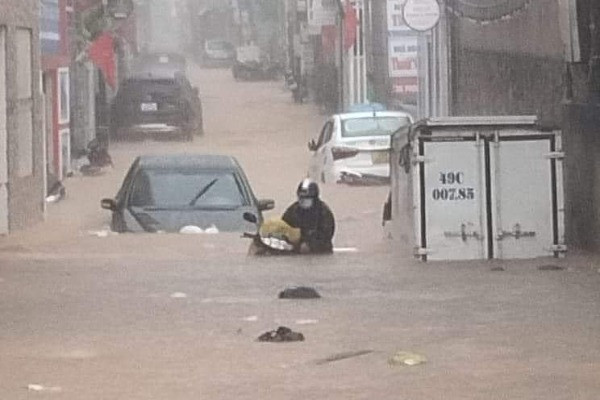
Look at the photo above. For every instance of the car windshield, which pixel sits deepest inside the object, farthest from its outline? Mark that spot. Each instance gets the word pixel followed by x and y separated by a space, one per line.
pixel 183 188
pixel 372 126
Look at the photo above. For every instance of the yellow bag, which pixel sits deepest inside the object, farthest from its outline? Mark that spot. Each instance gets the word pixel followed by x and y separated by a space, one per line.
pixel 278 228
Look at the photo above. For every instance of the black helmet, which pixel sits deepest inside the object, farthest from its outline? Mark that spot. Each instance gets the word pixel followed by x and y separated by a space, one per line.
pixel 308 188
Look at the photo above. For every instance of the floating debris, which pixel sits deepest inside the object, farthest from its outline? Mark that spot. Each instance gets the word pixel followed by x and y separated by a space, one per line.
pixel 101 234
pixel 344 356
pixel 299 292
pixel 550 267
pixel 282 334
pixel 406 358
pixel 191 230
pixel 345 250
pixel 307 322
pixel 178 295
pixel 40 388
pixel 211 230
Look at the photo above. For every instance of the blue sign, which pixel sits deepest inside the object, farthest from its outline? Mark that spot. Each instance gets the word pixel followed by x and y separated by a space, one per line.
pixel 50 27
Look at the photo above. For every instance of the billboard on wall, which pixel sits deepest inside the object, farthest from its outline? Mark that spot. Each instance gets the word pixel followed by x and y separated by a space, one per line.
pixel 403 67
pixel 395 18
pixel 403 49
pixel 50 26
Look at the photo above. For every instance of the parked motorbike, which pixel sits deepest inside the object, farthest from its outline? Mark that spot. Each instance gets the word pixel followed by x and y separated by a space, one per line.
pixel 272 237
pixel 98 158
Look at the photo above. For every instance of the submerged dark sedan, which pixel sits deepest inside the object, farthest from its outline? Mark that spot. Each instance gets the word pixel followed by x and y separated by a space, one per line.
pixel 183 193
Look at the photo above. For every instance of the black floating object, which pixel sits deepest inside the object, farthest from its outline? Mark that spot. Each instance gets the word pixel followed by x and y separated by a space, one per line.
pixel 299 292
pixel 282 334
pixel 550 268
pixel 498 269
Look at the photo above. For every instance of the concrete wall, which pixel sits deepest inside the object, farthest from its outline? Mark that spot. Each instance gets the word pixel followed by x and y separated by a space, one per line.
pixel 25 194
pixel 510 66
pixel 582 175
pixel 532 31
pixel 494 83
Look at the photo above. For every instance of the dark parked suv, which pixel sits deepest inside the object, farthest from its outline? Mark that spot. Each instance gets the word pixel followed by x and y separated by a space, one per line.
pixel 161 105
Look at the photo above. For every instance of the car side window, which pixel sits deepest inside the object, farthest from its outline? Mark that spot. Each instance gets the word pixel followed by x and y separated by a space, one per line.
pixel 325 135
pixel 141 191
pixel 329 132
pixel 127 182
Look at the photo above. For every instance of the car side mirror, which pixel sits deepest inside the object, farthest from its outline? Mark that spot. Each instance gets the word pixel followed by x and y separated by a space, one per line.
pixel 248 216
pixel 108 204
pixel 312 145
pixel 266 204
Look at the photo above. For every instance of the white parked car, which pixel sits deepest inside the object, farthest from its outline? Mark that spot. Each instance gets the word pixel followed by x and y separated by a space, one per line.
pixel 355 147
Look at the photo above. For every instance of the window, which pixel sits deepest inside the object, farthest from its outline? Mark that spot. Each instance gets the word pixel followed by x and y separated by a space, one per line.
pixel 64 115
pixel 24 102
pixel 373 126
pixel 325 134
pixel 186 189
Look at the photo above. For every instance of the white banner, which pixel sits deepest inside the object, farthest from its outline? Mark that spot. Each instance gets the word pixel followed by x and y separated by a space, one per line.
pixel 320 13
pixel 403 64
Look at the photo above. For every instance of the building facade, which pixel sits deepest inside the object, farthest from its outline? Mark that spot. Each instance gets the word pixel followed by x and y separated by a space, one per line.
pixel 498 59
pixel 581 127
pixel 56 85
pixel 22 156
pixel 510 63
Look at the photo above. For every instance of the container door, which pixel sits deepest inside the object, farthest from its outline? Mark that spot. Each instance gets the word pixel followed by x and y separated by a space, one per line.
pixel 452 200
pixel 3 138
pixel 524 197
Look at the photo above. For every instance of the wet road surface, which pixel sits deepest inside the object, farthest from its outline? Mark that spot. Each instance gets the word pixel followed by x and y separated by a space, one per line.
pixel 176 317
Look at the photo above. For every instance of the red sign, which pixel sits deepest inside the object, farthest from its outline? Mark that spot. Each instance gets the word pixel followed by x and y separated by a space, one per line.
pixel 351 24
pixel 102 54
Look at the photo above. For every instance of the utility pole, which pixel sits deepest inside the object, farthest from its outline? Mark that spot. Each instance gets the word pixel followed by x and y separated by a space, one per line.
pixel 594 63
pixel 341 22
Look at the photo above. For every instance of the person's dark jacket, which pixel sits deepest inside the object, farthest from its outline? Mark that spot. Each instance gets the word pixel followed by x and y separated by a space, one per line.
pixel 317 225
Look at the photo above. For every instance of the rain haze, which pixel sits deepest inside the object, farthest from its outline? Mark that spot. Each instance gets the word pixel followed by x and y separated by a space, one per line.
pixel 328 199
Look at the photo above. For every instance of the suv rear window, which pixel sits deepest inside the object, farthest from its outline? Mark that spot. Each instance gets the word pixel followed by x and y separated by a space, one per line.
pixel 142 88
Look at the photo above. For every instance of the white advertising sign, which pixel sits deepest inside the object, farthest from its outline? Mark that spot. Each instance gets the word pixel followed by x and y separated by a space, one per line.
pixel 421 15
pixel 395 17
pixel 403 64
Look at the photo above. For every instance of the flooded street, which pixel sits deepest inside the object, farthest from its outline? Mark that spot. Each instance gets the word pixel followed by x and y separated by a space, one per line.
pixel 88 314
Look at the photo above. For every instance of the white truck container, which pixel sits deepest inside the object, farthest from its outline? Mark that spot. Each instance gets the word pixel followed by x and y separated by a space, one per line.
pixel 478 188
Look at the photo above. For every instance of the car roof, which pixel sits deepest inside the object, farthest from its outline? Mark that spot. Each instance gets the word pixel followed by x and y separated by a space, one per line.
pixel 154 72
pixel 370 114
pixel 200 161
pixel 151 66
